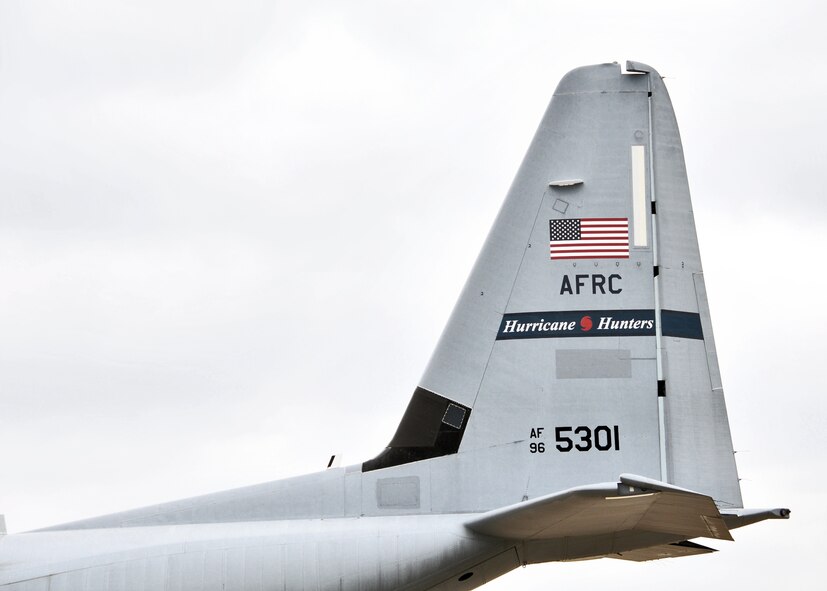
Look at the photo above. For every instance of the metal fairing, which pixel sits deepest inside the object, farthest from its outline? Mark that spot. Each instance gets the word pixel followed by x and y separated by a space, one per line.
pixel 572 408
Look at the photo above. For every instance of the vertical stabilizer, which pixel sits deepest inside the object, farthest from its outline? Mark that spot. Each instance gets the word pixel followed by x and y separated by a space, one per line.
pixel 581 346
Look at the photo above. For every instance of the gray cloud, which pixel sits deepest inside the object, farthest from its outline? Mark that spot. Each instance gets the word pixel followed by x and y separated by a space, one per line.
pixel 230 236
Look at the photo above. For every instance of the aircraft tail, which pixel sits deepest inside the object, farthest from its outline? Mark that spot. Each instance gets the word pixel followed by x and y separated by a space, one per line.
pixel 581 346
pixel 580 352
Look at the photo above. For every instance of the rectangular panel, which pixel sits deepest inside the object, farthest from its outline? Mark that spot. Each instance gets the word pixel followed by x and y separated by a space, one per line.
pixel 640 211
pixel 398 492
pixel 593 363
pixel 683 325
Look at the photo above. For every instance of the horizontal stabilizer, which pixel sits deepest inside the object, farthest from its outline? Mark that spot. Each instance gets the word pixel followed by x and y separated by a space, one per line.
pixel 634 504
pixel 742 517
pixel 675 550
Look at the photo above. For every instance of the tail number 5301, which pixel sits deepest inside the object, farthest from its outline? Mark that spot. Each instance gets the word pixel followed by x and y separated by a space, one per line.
pixel 601 438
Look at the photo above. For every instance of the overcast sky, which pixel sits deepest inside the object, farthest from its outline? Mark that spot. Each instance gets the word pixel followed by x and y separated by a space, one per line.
pixel 231 234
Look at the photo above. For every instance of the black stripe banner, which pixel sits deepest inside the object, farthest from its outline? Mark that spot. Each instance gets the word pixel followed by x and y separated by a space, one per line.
pixel 598 323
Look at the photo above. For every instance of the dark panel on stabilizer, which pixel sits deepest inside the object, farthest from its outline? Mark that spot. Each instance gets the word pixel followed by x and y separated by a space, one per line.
pixel 432 426
pixel 685 325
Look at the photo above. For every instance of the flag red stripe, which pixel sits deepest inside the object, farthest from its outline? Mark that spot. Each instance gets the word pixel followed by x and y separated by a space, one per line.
pixel 611 256
pixel 582 250
pixel 592 250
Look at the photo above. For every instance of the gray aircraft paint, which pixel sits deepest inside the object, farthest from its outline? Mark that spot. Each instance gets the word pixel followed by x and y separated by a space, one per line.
pixel 465 486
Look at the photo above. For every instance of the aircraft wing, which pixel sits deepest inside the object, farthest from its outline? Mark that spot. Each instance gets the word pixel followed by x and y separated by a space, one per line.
pixel 633 504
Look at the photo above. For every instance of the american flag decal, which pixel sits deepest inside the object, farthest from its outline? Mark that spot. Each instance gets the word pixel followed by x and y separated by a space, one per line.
pixel 592 238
